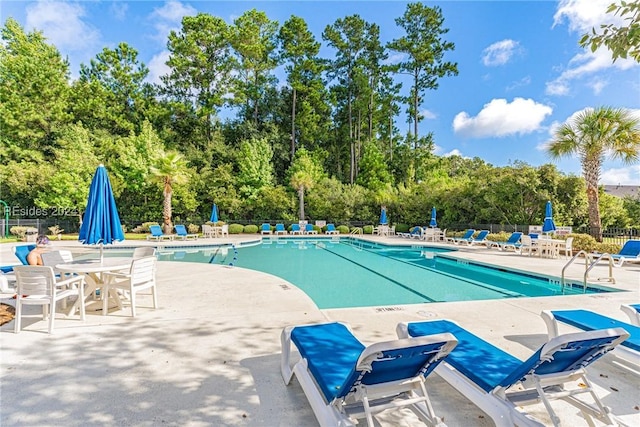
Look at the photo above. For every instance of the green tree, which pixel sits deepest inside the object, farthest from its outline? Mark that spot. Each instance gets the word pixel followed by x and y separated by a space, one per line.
pixel 425 48
pixel 374 174
pixel 304 173
pixel 592 135
pixel 33 92
pixel 622 41
pixel 254 39
pixel 300 50
pixel 169 169
pixel 200 64
pixel 255 167
pixel 111 92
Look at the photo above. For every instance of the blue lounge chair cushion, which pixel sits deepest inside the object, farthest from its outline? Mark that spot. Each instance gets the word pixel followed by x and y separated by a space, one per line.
pixel 331 358
pixel 332 353
pixel 22 251
pixel 589 321
pixel 155 230
pixel 630 249
pixel 6 268
pixel 494 362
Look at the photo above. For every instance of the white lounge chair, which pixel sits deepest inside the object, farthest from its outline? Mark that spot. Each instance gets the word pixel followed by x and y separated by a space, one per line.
pixel 280 229
pixel 468 235
pixel 498 383
pixel 157 234
pixel 480 239
pixel 331 229
pixel 590 321
pixel 344 380
pixel 633 311
pixel 181 233
pixel 265 228
pixel 630 252
pixel 512 242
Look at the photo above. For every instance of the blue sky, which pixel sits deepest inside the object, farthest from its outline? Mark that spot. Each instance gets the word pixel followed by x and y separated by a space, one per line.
pixel 521 70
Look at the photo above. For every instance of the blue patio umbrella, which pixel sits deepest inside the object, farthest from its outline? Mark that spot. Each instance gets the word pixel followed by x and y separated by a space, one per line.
pixel 548 225
pixel 383 217
pixel 101 222
pixel 433 222
pixel 214 213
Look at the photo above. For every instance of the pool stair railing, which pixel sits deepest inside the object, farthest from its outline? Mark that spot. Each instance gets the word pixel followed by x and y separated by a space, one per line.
pixel 589 263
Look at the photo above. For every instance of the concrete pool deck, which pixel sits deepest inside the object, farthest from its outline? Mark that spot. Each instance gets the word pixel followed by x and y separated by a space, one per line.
pixel 210 354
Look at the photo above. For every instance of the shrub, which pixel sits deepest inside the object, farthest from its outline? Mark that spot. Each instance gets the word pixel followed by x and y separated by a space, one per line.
pixel 367 229
pixel 402 228
pixel 609 248
pixel 502 236
pixel 343 229
pixel 19 231
pixel 145 226
pixel 250 229
pixel 236 228
pixel 55 230
pixel 583 242
pixel 193 229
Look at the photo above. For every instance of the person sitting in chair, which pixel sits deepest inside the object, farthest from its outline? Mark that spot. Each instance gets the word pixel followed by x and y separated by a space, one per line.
pixel 35 256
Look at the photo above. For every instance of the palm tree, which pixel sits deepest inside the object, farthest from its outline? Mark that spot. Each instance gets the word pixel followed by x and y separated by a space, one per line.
pixel 169 169
pixel 301 181
pixel 592 135
pixel 304 173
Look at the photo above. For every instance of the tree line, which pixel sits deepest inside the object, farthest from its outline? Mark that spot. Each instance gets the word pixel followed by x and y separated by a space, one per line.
pixel 324 144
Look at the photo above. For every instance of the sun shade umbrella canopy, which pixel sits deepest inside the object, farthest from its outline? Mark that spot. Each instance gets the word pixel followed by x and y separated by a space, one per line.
pixel 383 217
pixel 548 225
pixel 214 213
pixel 433 222
pixel 101 222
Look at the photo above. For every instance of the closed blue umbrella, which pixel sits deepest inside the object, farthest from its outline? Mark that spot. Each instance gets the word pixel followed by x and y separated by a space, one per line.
pixel 383 217
pixel 101 222
pixel 214 213
pixel 548 225
pixel 433 222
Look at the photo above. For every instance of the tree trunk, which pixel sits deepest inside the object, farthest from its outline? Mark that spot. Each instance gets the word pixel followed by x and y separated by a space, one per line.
pixel 591 171
pixel 301 200
pixel 293 125
pixel 415 111
pixel 166 211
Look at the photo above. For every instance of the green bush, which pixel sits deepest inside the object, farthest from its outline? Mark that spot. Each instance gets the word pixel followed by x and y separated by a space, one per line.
pixel 609 248
pixel 250 229
pixel 343 229
pixel 193 228
pixel 145 226
pixel 402 228
pixel 236 228
pixel 367 229
pixel 583 242
pixel 502 236
pixel 18 231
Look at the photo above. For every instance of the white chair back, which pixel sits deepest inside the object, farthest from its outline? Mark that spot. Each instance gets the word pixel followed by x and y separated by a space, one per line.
pixel 143 251
pixel 143 270
pixel 35 280
pixel 224 230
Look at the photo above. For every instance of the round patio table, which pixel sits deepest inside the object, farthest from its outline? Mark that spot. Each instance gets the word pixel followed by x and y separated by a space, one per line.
pixel 93 269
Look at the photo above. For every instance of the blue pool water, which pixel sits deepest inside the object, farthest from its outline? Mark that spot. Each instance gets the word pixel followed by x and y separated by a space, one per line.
pixel 346 272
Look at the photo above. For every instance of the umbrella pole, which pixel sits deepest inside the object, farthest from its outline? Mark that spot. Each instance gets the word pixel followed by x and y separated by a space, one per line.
pixel 101 253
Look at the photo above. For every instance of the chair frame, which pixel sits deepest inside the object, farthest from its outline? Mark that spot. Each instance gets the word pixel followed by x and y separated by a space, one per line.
pixel 280 229
pixel 157 236
pixel 502 402
pixel 331 229
pixel 266 229
pixel 37 285
pixel 365 400
pixel 184 235
pixel 633 311
pixel 141 276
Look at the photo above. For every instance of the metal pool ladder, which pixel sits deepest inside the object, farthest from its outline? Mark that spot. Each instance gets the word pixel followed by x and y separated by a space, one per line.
pixel 588 266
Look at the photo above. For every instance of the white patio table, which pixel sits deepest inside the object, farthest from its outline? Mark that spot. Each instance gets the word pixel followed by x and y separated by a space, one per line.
pixel 93 269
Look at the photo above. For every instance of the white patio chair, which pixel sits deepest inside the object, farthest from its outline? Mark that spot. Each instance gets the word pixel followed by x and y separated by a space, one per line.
pixel 224 230
pixel 143 251
pixel 37 285
pixel 567 249
pixel 141 276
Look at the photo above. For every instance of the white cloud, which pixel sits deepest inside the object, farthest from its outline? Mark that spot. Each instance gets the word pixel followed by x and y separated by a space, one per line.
pixel 582 16
pixel 158 67
pixel 426 114
pixel 500 118
pixel 499 53
pixel 395 58
pixel 597 85
pixel 525 81
pixel 454 152
pixel 169 18
pixel 62 24
pixel 119 10
pixel 623 176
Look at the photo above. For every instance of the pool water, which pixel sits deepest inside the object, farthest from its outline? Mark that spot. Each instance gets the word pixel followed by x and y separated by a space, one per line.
pixel 346 272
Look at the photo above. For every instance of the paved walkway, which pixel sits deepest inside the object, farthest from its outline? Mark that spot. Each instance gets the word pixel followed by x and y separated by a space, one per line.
pixel 209 356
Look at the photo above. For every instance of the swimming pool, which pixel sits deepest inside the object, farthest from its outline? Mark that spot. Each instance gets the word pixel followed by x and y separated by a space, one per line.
pixel 347 272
